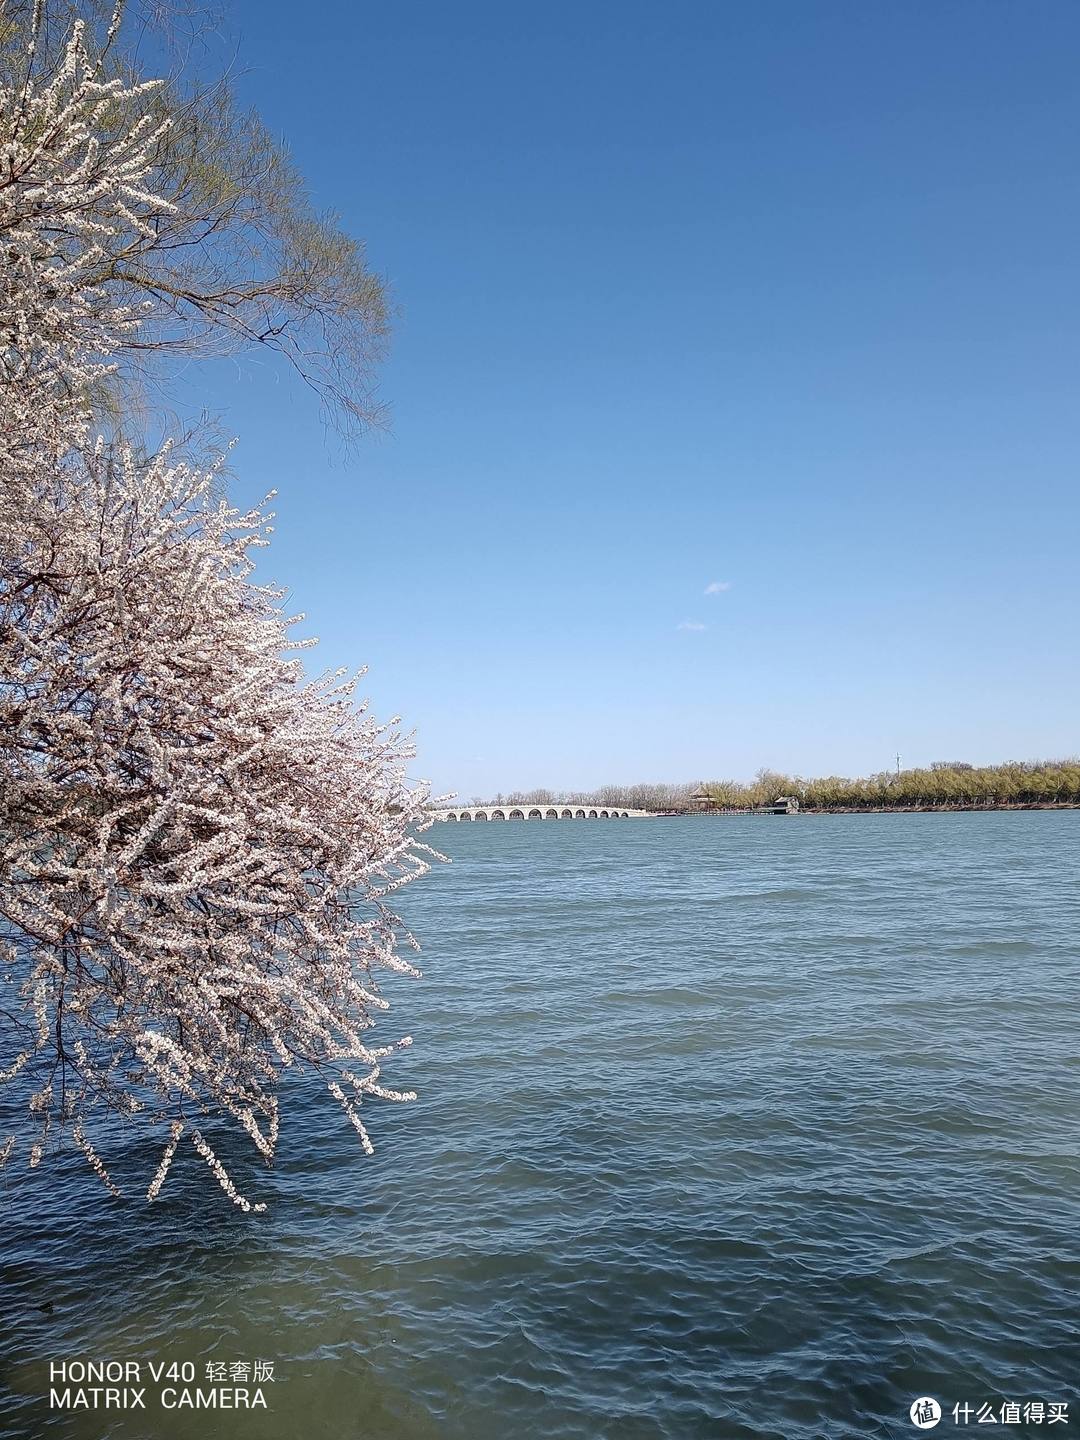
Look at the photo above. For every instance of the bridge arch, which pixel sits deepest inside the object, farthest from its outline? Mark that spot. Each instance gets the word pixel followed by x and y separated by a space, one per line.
pixel 561 811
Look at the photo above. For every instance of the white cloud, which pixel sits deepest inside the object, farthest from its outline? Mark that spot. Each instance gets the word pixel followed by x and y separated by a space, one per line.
pixel 691 625
pixel 717 587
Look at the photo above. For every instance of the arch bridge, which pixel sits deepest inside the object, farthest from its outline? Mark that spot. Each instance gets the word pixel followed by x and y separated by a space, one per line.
pixel 540 812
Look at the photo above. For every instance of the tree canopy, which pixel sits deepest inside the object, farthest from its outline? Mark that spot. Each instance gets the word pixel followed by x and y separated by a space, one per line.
pixel 197 843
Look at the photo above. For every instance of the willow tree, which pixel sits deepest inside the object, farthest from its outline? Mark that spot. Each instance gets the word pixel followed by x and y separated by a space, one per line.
pixel 196 842
pixel 235 255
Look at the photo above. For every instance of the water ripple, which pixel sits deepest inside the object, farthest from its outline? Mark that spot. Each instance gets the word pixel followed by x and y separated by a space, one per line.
pixel 727 1128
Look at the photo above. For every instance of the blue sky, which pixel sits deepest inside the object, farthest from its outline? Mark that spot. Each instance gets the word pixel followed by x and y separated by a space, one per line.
pixel 778 295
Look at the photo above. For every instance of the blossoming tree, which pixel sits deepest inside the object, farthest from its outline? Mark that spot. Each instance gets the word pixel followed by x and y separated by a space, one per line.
pixel 196 842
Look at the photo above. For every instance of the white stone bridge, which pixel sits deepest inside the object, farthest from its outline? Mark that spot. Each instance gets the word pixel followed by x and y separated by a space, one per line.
pixel 540 812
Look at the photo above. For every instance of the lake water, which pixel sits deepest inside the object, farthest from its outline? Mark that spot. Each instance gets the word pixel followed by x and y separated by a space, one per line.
pixel 728 1127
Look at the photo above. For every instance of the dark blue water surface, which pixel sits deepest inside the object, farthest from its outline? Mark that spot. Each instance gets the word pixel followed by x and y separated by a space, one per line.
pixel 728 1127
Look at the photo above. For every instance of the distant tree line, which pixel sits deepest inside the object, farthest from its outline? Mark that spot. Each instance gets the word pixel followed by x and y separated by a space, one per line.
pixel 945 784
pixel 629 797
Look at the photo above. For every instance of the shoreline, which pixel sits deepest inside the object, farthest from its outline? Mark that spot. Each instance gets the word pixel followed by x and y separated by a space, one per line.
pixel 987 807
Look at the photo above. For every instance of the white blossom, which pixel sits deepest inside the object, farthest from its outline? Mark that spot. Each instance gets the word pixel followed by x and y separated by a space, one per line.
pixel 176 1129
pixel 196 840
